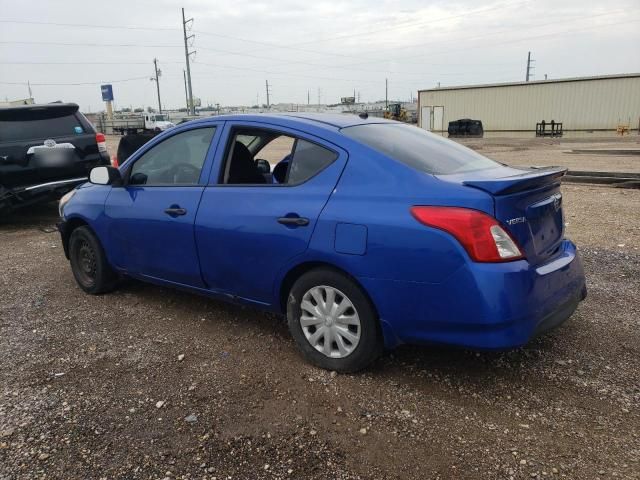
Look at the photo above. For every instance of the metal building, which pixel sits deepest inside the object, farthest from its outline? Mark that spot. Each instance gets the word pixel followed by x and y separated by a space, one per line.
pixel 583 103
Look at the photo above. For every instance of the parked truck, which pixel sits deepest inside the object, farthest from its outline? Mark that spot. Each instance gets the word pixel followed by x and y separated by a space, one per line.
pixel 138 123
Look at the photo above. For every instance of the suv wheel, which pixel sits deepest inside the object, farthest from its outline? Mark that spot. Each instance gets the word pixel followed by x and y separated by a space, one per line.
pixel 89 262
pixel 333 322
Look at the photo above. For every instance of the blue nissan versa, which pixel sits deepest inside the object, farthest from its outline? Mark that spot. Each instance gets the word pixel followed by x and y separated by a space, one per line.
pixel 367 233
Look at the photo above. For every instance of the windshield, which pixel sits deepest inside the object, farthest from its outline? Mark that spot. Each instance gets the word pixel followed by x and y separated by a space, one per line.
pixel 160 118
pixel 418 148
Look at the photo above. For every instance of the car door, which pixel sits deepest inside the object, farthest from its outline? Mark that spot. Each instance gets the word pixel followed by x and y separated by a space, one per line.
pixel 247 231
pixel 151 217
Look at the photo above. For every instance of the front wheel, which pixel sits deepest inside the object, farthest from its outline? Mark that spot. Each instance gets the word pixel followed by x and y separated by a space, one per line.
pixel 89 262
pixel 333 322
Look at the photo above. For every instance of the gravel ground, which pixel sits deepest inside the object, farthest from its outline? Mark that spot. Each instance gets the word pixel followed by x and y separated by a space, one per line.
pixel 545 151
pixel 149 383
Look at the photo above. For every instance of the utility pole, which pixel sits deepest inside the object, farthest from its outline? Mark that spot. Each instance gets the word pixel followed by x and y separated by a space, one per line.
pixel 186 91
pixel 308 98
pixel 386 93
pixel 530 67
pixel 156 79
pixel 191 107
pixel 266 82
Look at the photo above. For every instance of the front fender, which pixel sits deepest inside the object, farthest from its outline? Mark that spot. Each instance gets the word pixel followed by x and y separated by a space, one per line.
pixel 86 207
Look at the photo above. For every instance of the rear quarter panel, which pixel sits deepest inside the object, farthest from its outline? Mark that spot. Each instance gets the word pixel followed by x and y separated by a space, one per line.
pixel 377 193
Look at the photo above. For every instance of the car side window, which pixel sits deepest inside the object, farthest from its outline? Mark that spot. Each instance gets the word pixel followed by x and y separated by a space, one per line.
pixel 272 158
pixel 178 160
pixel 308 159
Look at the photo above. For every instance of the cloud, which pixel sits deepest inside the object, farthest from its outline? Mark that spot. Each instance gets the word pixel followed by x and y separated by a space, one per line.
pixel 301 47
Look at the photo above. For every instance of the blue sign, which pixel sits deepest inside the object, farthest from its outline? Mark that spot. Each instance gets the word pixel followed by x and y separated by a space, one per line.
pixel 107 93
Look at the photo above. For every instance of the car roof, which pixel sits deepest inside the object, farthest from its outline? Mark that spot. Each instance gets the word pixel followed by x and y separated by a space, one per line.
pixel 29 112
pixel 322 120
pixel 72 107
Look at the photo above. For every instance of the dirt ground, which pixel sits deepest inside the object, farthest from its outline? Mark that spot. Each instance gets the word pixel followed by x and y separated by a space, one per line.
pixel 97 388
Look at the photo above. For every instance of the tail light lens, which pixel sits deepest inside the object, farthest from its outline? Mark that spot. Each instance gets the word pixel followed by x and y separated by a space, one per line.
pixel 114 161
pixel 480 234
pixel 101 141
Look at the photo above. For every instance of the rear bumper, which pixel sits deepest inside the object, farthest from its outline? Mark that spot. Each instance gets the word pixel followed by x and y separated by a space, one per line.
pixel 29 194
pixel 482 306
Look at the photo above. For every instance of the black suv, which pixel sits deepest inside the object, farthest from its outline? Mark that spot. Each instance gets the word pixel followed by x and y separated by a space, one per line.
pixel 45 151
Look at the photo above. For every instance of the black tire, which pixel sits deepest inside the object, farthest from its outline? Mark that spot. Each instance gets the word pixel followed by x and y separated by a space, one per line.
pixel 370 344
pixel 89 262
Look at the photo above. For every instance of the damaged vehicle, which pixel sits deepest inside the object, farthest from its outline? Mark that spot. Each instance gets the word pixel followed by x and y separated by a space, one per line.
pixel 45 151
pixel 365 233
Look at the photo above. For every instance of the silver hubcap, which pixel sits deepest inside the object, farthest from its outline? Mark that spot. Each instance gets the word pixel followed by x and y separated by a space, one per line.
pixel 330 322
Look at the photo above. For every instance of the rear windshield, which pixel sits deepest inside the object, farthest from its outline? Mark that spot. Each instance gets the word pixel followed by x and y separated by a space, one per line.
pixel 418 148
pixel 43 125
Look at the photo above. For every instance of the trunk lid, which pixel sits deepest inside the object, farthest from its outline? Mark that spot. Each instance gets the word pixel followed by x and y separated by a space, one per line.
pixel 527 202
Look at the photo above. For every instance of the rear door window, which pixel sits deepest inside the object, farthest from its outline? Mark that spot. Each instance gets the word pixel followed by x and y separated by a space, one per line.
pixel 308 159
pixel 418 148
pixel 43 126
pixel 260 156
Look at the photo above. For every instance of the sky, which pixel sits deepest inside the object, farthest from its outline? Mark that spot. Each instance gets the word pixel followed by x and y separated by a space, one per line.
pixel 308 51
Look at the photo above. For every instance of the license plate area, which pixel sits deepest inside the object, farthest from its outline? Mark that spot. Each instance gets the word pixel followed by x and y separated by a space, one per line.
pixel 546 223
pixel 58 155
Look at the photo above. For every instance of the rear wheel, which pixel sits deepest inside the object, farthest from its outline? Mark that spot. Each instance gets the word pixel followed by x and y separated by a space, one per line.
pixel 89 262
pixel 333 322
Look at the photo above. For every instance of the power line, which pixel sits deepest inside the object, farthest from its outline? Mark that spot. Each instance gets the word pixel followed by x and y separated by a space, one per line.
pixel 76 44
pixel 89 25
pixel 405 24
pixel 501 32
pixel 416 24
pixel 300 62
pixel 80 63
pixel 76 83
pixel 484 46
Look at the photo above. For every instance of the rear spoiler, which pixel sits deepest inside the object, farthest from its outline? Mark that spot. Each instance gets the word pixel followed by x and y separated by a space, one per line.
pixel 528 179
pixel 43 110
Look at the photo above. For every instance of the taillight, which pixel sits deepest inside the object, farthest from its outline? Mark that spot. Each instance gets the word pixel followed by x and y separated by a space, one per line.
pixel 101 141
pixel 480 234
pixel 114 161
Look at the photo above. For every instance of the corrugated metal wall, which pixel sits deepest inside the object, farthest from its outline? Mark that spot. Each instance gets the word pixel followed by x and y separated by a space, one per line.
pixel 594 104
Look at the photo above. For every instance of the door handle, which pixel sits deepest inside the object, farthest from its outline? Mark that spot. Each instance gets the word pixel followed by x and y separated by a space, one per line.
pixel 175 211
pixel 294 221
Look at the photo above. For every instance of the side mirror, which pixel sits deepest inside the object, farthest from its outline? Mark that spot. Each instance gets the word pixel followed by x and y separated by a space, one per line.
pixel 263 165
pixel 105 176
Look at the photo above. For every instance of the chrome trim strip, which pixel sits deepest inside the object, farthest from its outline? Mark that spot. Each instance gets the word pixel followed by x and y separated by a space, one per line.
pixel 59 182
pixel 61 146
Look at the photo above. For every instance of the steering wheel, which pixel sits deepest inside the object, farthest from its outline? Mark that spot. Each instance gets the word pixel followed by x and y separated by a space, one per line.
pixel 185 173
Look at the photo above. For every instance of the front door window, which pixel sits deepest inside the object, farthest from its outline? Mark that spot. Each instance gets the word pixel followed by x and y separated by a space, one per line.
pixel 178 160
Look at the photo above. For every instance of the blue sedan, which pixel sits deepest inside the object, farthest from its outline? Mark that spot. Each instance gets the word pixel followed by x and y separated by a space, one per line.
pixel 365 233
